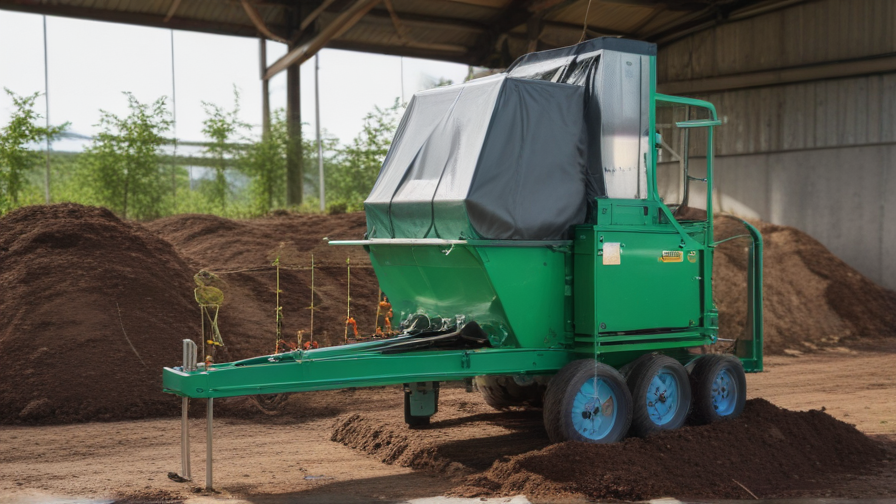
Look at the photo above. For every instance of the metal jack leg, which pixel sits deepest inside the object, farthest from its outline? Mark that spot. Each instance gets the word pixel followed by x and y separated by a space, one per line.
pixel 208 446
pixel 185 440
pixel 189 365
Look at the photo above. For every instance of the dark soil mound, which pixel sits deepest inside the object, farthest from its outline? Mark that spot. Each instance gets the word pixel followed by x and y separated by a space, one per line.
pixel 466 437
pixel 91 310
pixel 68 270
pixel 241 253
pixel 769 450
pixel 811 297
pixel 392 443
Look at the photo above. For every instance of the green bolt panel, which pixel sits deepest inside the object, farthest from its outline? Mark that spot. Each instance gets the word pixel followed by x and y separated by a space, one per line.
pixel 642 292
pixel 658 283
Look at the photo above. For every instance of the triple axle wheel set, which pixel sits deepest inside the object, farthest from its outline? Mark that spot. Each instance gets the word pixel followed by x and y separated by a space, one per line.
pixel 592 402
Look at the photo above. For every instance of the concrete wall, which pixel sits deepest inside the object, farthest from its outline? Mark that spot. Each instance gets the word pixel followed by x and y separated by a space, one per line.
pixel 817 155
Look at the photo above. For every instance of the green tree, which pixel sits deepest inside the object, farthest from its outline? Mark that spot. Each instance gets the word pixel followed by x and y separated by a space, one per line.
pixel 350 180
pixel 223 130
pixel 17 158
pixel 123 166
pixel 265 162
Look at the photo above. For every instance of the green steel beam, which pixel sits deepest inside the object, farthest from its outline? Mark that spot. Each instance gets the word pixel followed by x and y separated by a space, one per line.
pixel 750 350
pixel 688 101
pixel 698 123
pixel 303 372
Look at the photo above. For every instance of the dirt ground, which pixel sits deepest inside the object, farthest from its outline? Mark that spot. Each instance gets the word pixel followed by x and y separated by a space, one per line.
pixel 290 458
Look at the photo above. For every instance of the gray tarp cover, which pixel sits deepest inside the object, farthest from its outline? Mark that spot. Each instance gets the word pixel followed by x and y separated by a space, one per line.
pixel 494 158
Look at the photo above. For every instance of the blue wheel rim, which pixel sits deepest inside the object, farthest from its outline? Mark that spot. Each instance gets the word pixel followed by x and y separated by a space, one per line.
pixel 663 397
pixel 724 393
pixel 595 409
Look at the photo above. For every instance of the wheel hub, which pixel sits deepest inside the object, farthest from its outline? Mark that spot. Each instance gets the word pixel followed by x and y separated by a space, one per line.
pixel 724 393
pixel 594 410
pixel 662 397
pixel 588 415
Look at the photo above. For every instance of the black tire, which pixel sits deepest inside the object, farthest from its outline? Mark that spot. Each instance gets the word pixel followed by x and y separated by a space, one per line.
pixel 419 422
pixel 731 390
pixel 559 402
pixel 503 392
pixel 647 401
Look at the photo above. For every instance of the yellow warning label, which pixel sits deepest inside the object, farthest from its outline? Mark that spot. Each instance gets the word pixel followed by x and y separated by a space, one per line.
pixel 672 256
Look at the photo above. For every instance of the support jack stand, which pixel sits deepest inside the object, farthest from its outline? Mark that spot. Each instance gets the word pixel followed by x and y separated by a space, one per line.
pixel 186 473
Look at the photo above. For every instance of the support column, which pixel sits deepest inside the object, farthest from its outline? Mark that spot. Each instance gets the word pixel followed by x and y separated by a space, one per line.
pixel 265 91
pixel 320 149
pixel 47 99
pixel 294 127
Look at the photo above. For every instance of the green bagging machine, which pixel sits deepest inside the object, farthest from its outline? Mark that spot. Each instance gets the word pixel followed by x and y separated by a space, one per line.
pixel 517 229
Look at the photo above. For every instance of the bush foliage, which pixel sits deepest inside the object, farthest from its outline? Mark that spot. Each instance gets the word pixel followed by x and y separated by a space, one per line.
pixel 129 166
pixel 17 154
pixel 122 169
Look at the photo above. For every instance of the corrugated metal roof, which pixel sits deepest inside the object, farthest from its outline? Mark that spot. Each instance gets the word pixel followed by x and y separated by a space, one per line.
pixel 482 32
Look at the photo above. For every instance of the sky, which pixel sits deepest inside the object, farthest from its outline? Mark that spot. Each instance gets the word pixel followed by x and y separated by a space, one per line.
pixel 92 63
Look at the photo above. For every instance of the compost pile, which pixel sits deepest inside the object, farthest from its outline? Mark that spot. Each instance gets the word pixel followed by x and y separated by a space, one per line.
pixel 770 451
pixel 811 297
pixel 90 311
pixel 241 253
pixel 94 307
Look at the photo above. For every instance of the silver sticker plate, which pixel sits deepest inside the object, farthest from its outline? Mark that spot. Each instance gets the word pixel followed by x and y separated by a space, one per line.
pixel 612 254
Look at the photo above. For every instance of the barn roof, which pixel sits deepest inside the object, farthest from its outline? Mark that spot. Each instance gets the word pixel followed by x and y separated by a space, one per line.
pixel 477 32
